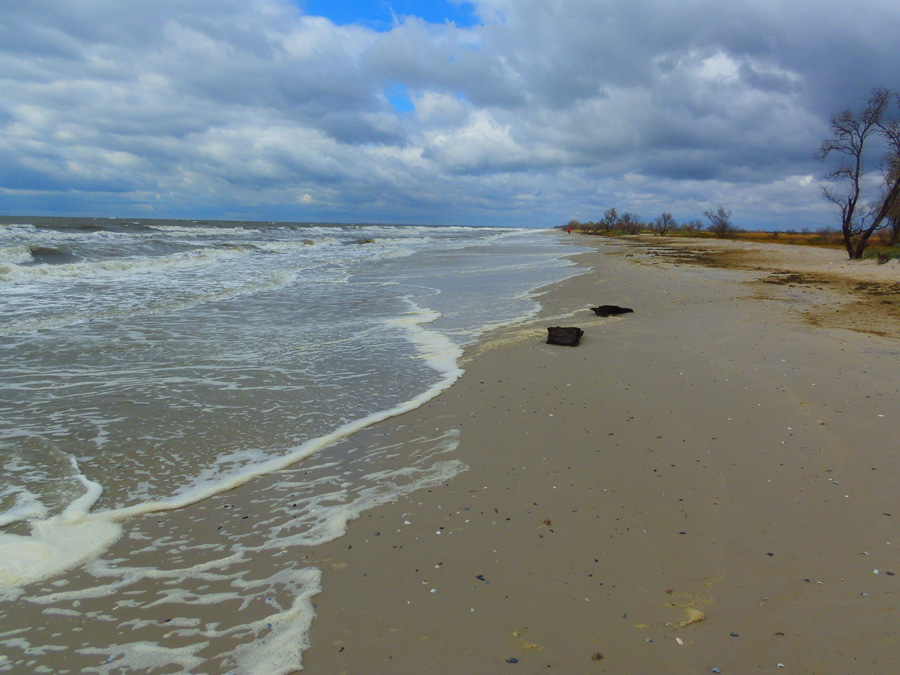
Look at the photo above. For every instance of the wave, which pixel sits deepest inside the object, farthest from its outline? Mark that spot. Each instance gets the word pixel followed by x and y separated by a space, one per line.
pixel 197 230
pixel 35 254
pixel 123 266
pixel 15 255
pixel 51 255
pixel 271 282
pixel 17 228
pixel 292 246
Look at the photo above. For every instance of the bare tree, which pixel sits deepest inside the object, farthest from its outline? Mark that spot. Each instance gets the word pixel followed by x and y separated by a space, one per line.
pixel 692 226
pixel 849 135
pixel 630 223
pixel 610 220
pixel 893 216
pixel 664 223
pixel 719 221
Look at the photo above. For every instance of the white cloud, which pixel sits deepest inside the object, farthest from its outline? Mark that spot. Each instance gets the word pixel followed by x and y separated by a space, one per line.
pixel 440 109
pixel 718 68
pixel 481 143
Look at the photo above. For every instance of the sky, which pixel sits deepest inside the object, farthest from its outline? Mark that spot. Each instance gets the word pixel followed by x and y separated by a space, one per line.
pixel 491 112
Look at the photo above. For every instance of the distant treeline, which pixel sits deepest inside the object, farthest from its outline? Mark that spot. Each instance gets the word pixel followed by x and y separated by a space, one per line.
pixel 718 223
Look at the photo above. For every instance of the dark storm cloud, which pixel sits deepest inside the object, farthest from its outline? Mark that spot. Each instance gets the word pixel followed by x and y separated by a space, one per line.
pixel 539 113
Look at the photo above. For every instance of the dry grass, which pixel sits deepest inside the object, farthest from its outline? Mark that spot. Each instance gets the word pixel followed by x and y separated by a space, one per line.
pixel 859 296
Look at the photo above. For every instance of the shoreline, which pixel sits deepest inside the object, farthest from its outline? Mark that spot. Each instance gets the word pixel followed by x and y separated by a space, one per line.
pixel 633 502
pixel 223 398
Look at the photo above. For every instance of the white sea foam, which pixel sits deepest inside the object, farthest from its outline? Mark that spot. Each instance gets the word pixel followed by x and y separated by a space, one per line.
pixel 58 543
pixel 325 517
pixel 198 230
pixel 139 656
pixel 121 266
pixel 292 246
pixel 18 229
pixel 270 645
pixel 435 348
pixel 252 286
pixel 15 255
pixel 285 634
pixel 26 507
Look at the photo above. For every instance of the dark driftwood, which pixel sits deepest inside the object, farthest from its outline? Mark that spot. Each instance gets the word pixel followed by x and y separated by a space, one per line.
pixel 559 335
pixel 611 310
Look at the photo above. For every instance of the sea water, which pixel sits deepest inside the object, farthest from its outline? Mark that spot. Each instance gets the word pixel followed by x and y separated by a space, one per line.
pixel 151 367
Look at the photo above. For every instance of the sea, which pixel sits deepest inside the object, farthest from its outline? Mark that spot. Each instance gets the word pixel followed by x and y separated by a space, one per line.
pixel 182 408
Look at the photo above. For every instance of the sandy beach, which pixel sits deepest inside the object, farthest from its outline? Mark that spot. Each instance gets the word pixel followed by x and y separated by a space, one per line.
pixel 709 484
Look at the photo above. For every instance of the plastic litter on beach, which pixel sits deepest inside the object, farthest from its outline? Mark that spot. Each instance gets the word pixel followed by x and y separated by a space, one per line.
pixel 693 615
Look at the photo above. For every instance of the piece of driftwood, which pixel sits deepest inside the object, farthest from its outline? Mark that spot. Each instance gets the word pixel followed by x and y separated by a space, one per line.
pixel 562 335
pixel 611 310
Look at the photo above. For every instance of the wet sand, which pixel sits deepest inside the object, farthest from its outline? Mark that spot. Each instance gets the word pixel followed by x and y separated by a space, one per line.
pixel 709 483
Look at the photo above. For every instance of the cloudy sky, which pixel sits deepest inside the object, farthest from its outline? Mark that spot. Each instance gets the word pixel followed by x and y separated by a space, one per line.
pixel 489 112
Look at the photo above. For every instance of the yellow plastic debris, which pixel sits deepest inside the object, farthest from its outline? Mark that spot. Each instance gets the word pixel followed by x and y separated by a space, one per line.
pixel 693 615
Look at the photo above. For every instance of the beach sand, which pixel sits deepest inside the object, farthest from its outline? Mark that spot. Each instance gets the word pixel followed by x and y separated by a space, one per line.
pixel 711 482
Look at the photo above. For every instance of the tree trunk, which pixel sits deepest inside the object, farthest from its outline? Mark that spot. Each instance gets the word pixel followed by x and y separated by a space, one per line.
pixel 886 207
pixel 861 245
pixel 848 244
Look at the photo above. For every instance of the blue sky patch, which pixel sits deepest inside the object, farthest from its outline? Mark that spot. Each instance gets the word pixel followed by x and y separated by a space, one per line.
pixel 399 97
pixel 377 13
